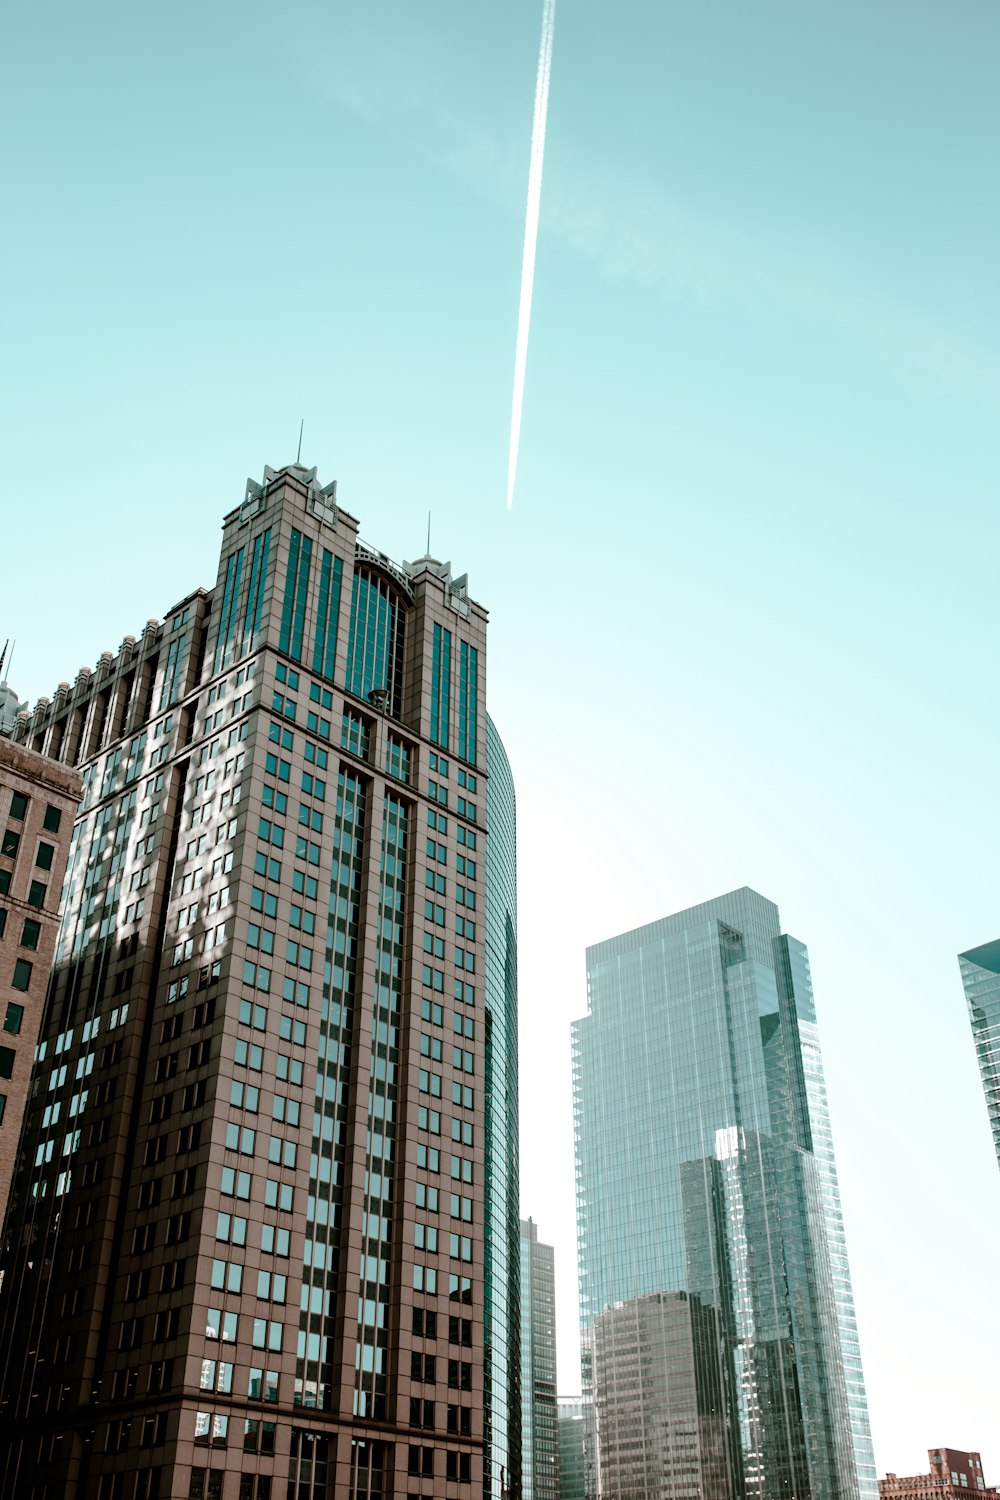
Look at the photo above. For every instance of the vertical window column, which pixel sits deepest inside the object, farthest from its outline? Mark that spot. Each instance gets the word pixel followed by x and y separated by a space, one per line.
pixel 293 612
pixel 441 687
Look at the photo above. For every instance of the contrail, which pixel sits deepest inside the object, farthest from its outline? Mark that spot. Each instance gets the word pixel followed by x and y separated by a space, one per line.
pixel 530 238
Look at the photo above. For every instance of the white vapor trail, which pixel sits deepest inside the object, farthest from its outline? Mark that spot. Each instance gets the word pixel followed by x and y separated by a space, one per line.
pixel 530 238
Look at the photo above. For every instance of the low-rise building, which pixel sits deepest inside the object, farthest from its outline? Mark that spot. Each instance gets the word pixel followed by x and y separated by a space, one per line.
pixel 953 1471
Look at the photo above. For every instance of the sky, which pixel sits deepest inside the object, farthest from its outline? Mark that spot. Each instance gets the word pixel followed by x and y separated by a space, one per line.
pixel 742 630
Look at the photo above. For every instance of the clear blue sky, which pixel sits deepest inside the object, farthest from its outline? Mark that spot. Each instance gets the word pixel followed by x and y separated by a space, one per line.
pixel 743 628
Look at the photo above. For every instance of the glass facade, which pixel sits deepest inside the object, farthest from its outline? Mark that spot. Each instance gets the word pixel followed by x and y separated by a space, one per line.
pixel 325 645
pixel 293 611
pixel 468 701
pixel 797 984
pixel 375 641
pixel 230 594
pixel 255 597
pixel 501 1356
pixel 981 977
pixel 718 1326
pixel 539 1419
pixel 441 686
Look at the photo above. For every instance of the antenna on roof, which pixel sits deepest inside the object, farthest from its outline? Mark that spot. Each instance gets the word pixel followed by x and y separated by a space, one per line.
pixel 301 426
pixel 3 654
pixel 428 533
pixel 13 645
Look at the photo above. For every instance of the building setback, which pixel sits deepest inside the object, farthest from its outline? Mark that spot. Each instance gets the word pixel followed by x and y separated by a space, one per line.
pixel 539 1414
pixel 980 969
pixel 38 801
pixel 264 1234
pixel 952 1472
pixel 719 1341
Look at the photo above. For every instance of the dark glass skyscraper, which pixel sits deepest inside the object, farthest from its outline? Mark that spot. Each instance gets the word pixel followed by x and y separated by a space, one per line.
pixel 719 1341
pixel 981 977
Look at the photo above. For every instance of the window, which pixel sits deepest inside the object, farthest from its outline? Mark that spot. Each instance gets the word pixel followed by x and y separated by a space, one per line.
pixel 52 819
pixel 420 1461
pixel 458 1466
pixel 22 974
pixel 13 1018
pixel 30 933
pixel 423 1368
pixel 11 843
pixel 19 806
pixel 7 1056
pixel 267 1335
pixel 221 1325
pixel 227 1276
pixel 263 1385
pixel 275 1241
pixel 44 857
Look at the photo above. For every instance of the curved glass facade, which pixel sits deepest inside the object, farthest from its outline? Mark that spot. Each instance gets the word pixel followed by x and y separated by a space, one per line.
pixel 502 1353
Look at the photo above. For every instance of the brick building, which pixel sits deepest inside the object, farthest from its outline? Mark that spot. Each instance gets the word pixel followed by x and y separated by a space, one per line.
pixel 267 1229
pixel 952 1471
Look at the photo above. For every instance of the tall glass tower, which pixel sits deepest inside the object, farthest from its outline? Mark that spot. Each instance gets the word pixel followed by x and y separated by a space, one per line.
pixel 720 1346
pixel 981 977
pixel 502 1235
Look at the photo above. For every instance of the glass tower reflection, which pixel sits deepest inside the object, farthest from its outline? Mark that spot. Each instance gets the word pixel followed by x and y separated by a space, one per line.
pixel 720 1347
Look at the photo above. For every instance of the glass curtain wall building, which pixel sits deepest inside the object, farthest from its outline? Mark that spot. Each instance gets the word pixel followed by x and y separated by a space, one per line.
pixel 980 969
pixel 539 1421
pixel 720 1348
pixel 502 1248
pixel 260 1239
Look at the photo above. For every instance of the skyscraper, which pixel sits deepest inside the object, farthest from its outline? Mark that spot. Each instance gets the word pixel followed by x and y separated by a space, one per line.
pixel 539 1413
pixel 264 1235
pixel 981 977
pixel 720 1347
pixel 502 1241
pixel 574 1413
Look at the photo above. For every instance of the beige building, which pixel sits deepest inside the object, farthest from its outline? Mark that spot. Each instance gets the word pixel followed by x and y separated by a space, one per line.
pixel 38 801
pixel 257 1231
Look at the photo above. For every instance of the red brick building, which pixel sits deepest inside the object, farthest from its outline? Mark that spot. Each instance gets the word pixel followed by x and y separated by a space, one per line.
pixel 953 1471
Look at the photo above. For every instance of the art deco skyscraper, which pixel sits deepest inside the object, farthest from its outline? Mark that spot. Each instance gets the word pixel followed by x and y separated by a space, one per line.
pixel 981 977
pixel 264 1234
pixel 720 1346
pixel 540 1418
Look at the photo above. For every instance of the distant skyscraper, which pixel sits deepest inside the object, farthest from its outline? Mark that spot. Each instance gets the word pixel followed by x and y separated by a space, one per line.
pixel 981 977
pixel 539 1419
pixel 264 1235
pixel 573 1412
pixel 720 1344
pixel 38 802
pixel 953 1472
